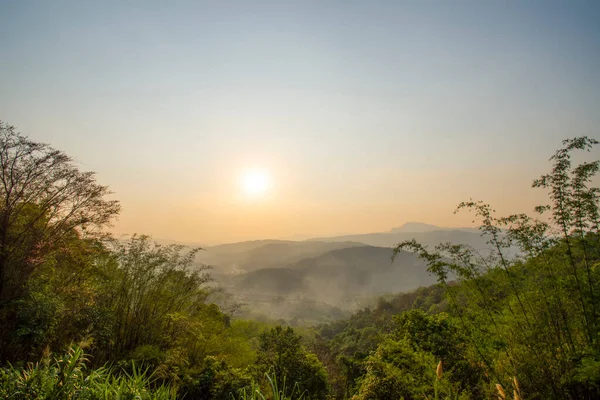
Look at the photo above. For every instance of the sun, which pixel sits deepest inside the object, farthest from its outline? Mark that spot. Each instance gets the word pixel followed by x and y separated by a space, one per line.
pixel 255 182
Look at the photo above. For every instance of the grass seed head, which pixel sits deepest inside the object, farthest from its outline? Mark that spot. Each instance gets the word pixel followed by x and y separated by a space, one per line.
pixel 500 391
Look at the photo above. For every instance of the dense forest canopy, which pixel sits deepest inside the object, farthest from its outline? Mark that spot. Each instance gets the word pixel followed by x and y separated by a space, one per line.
pixel 85 316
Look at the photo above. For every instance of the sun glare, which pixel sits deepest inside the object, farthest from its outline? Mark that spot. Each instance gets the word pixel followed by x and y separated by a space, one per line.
pixel 255 182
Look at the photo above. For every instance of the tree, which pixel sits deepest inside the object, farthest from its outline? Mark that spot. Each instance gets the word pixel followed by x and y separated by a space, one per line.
pixel 533 315
pixel 157 297
pixel 396 371
pixel 439 336
pixel 44 198
pixel 60 305
pixel 282 350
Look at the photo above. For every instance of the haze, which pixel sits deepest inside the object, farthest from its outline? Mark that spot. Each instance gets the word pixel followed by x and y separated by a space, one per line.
pixel 363 115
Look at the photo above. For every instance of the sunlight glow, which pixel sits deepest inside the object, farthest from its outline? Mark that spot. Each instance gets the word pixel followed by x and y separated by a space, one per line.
pixel 255 182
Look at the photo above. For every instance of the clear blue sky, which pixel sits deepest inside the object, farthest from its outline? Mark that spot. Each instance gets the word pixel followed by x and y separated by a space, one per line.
pixel 366 114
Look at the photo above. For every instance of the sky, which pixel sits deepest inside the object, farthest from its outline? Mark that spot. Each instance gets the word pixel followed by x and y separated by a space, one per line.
pixel 363 114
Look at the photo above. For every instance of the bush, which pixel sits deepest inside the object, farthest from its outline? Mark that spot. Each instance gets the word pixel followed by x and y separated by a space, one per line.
pixel 67 377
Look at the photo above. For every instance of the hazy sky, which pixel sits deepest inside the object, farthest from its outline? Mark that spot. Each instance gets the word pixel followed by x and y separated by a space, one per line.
pixel 366 114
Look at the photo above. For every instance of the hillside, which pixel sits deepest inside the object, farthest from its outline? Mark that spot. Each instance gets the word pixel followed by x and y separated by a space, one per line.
pixel 322 279
pixel 236 258
pixel 241 257
pixel 337 281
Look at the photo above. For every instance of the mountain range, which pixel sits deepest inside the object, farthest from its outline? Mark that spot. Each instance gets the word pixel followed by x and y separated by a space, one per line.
pixel 325 278
pixel 426 234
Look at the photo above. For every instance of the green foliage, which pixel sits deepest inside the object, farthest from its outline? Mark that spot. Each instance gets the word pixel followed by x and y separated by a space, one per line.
pixel 66 377
pixel 351 341
pixel 397 371
pixel 38 315
pixel 282 351
pixel 44 200
pixel 535 316
pixel 217 380
pixel 440 337
pixel 154 295
pixel 273 392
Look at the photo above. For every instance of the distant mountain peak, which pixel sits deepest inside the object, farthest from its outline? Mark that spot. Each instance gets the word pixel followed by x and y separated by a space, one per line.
pixel 416 227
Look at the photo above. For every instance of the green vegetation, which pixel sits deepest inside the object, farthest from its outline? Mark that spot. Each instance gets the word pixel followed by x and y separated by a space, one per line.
pixel 275 391
pixel 67 377
pixel 520 321
pixel 530 318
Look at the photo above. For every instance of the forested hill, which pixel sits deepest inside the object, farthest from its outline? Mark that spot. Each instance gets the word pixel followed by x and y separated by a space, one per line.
pixel 234 258
pixel 314 281
pixel 344 272
pixel 337 281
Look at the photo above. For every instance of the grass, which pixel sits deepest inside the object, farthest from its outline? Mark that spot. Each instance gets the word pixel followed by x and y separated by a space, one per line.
pixel 274 391
pixel 67 377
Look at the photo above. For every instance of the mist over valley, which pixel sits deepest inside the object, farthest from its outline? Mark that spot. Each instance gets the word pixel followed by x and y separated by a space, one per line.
pixel 323 279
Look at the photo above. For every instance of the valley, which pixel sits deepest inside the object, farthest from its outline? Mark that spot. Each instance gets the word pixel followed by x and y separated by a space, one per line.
pixel 321 280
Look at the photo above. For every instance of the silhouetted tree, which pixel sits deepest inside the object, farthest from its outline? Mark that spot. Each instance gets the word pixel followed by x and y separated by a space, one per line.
pixel 44 198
